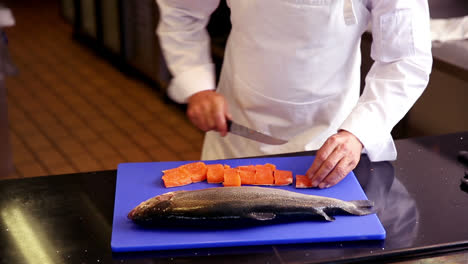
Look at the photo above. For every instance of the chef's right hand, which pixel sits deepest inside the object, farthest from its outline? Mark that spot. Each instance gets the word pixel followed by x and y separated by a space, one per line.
pixel 208 110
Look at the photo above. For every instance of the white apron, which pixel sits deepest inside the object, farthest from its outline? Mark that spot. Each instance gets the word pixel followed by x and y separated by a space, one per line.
pixel 291 70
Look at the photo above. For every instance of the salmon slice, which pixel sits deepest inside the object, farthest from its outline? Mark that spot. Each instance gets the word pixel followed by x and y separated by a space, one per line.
pixel 247 174
pixel 176 177
pixel 197 170
pixel 231 177
pixel 303 181
pixel 215 173
pixel 272 166
pixel 283 177
pixel 246 167
pixel 264 175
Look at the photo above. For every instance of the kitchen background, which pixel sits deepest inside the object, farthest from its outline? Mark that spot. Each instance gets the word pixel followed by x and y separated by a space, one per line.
pixel 90 91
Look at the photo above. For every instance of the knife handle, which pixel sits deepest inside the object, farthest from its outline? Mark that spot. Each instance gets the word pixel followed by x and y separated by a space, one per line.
pixel 228 124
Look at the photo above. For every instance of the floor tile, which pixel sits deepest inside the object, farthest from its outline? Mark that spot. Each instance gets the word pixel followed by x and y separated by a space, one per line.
pixel 120 140
pixel 45 118
pixel 163 154
pixel 111 163
pixel 70 146
pixel 31 170
pixel 84 133
pixel 22 155
pixel 86 163
pixel 145 139
pixel 101 125
pixel 37 141
pixel 24 127
pixel 69 109
pixel 101 148
pixel 136 155
pixel 65 168
pixel 57 131
pixel 51 157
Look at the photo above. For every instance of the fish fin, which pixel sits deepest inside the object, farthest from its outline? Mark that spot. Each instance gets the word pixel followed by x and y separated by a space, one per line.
pixel 361 207
pixel 325 215
pixel 262 216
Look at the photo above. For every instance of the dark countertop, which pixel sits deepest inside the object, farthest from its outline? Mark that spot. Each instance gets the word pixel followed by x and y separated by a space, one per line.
pixel 68 218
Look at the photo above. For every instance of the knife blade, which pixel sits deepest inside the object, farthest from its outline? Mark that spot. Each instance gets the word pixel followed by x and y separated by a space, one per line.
pixel 249 133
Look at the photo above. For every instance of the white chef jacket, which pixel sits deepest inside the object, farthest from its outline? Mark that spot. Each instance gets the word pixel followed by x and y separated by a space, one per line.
pixel 292 69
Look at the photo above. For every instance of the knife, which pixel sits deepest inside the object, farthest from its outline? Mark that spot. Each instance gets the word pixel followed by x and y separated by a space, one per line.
pixel 249 133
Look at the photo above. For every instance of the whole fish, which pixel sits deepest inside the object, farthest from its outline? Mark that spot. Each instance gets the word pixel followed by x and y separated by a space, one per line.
pixel 246 205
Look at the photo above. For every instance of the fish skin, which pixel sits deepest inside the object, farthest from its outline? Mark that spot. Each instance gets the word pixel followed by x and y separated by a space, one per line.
pixel 240 206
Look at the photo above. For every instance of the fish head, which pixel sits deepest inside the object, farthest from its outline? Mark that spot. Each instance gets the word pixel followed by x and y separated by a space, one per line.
pixel 156 206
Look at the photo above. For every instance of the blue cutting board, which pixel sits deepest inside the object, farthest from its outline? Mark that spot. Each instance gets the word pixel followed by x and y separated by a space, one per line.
pixel 137 182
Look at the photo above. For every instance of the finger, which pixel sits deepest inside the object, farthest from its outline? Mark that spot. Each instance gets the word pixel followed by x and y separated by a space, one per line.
pixel 208 116
pixel 322 155
pixel 220 117
pixel 326 168
pixel 227 116
pixel 226 111
pixel 194 114
pixel 338 174
pixel 200 116
pixel 200 109
pixel 222 125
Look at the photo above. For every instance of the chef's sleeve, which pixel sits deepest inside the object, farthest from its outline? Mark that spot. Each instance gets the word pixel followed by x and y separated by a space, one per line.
pixel 186 45
pixel 401 51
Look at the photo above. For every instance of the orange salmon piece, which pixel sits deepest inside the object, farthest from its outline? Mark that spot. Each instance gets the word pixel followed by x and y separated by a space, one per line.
pixel 247 174
pixel 176 177
pixel 303 181
pixel 272 166
pixel 246 167
pixel 231 177
pixel 283 177
pixel 264 175
pixel 215 173
pixel 197 170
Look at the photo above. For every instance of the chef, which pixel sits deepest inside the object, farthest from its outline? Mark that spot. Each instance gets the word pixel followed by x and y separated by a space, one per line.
pixel 292 70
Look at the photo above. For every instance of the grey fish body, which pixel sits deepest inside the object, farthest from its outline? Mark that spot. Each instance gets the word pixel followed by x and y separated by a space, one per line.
pixel 234 206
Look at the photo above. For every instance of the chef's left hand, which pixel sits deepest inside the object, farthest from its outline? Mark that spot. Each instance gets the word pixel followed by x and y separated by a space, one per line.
pixel 338 156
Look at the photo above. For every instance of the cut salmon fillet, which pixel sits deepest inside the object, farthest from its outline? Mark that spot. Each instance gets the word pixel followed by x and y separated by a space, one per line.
pixel 246 167
pixel 303 181
pixel 215 173
pixel 231 177
pixel 272 166
pixel 247 174
pixel 197 170
pixel 176 177
pixel 283 177
pixel 264 175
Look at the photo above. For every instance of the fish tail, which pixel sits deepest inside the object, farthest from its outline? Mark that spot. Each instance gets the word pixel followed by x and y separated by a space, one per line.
pixel 361 207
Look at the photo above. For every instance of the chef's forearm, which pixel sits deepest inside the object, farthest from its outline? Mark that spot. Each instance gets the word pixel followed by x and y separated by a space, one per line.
pixel 186 45
pixel 403 61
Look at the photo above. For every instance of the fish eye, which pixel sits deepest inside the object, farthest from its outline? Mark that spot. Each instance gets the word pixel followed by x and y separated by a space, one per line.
pixel 163 206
